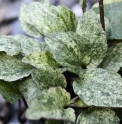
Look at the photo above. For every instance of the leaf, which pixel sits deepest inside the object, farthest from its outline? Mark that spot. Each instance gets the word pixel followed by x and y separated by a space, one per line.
pixel 29 45
pixel 114 14
pixel 65 48
pixel 47 77
pixel 113 59
pixel 48 19
pixel 98 116
pixel 29 89
pixel 99 88
pixel 9 45
pixel 40 59
pixel 29 28
pixel 77 102
pixel 73 51
pixel 96 45
pixel 10 91
pixel 12 69
pixel 50 105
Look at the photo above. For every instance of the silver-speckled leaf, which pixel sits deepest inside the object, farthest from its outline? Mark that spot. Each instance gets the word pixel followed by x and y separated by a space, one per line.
pixel 67 48
pixel 47 77
pixel 50 105
pixel 30 45
pixel 114 14
pixel 48 19
pixel 12 69
pixel 96 45
pixel 98 116
pixel 9 91
pixel 113 58
pixel 9 45
pixel 29 28
pixel 29 89
pixel 40 59
pixel 99 88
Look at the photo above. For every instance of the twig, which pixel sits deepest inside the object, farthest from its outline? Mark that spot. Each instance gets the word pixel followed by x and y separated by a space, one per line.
pixel 84 6
pixel 101 9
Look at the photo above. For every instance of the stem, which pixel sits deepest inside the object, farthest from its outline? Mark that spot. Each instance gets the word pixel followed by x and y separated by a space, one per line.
pixel 101 9
pixel 84 6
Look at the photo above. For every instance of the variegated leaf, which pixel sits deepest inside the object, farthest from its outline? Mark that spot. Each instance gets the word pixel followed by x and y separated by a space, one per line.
pixel 113 58
pixel 99 88
pixel 9 45
pixel 50 105
pixel 73 51
pixel 98 116
pixel 29 89
pixel 29 28
pixel 114 14
pixel 12 69
pixel 10 91
pixel 48 19
pixel 47 77
pixel 96 45
pixel 30 45
pixel 40 59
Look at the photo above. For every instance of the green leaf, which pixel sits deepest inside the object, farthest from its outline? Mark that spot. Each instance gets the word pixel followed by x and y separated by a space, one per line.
pixel 29 28
pixel 67 49
pixel 48 19
pixel 40 59
pixel 30 45
pixel 29 89
pixel 98 116
pixel 50 105
pixel 47 77
pixel 12 69
pixel 96 45
pixel 113 59
pixel 114 14
pixel 9 45
pixel 99 88
pixel 77 102
pixel 10 91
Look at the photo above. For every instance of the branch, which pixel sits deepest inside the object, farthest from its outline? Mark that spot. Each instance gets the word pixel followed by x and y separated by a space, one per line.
pixel 83 5
pixel 101 9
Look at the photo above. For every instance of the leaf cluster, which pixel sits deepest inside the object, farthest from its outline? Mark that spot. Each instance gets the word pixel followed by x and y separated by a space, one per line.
pixel 76 52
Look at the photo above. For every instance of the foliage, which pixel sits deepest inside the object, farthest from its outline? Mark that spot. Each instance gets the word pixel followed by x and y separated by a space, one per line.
pixel 75 53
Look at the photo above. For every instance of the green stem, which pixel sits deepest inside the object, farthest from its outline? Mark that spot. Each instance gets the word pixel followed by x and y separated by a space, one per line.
pixel 84 6
pixel 101 9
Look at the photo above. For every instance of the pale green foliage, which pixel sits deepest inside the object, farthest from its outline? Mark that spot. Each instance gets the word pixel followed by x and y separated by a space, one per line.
pixel 98 116
pixel 9 45
pixel 12 69
pixel 41 59
pixel 29 89
pixel 55 78
pixel 113 58
pixel 46 18
pixel 10 91
pixel 114 14
pixel 29 45
pixel 99 88
pixel 50 105
pixel 73 53
pixel 95 40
